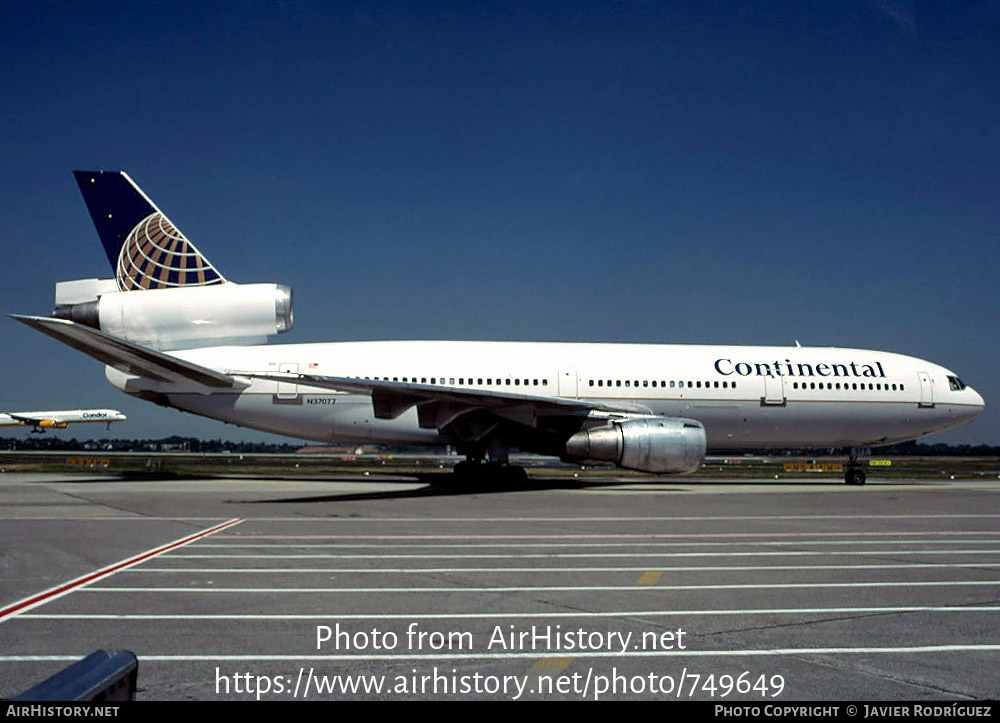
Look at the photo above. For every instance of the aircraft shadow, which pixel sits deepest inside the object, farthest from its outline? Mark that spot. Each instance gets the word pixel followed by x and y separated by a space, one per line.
pixel 438 485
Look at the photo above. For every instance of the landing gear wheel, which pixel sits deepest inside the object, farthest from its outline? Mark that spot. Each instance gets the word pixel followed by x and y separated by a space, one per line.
pixel 854 476
pixel 503 475
pixel 513 475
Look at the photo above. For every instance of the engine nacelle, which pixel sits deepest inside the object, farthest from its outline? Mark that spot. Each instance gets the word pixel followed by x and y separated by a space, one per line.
pixel 647 444
pixel 190 316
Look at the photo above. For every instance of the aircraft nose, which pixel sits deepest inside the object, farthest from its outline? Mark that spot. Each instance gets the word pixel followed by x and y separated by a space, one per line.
pixel 978 404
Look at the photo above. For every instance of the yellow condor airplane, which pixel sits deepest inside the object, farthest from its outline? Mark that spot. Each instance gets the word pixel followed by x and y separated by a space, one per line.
pixel 40 421
pixel 172 330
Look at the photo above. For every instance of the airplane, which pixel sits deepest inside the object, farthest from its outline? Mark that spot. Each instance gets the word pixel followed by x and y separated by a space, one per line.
pixel 171 329
pixel 41 421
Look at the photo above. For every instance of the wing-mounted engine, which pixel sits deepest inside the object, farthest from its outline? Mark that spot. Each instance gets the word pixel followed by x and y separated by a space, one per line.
pixel 647 444
pixel 181 317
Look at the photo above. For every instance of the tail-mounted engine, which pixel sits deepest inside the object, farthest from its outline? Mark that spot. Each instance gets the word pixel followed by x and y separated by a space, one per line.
pixel 647 444
pixel 177 318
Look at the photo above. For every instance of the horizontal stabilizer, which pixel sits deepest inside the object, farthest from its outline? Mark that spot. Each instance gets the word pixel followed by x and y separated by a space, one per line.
pixel 127 357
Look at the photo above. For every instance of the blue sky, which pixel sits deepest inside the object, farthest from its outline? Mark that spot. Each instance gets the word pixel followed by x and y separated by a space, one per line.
pixel 717 172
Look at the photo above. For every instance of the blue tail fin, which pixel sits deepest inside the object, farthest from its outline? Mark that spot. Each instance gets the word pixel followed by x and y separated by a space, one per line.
pixel 146 251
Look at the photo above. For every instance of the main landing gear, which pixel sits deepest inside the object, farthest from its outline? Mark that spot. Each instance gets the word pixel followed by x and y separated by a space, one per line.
pixel 472 472
pixel 498 471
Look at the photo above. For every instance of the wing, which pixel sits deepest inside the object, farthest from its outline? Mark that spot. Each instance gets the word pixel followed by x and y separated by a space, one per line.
pixel 128 357
pixel 38 420
pixel 27 417
pixel 438 406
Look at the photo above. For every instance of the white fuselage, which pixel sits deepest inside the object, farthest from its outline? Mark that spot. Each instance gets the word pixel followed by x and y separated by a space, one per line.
pixel 746 397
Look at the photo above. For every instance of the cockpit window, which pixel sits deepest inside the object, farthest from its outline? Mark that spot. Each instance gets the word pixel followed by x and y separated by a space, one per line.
pixel 956 384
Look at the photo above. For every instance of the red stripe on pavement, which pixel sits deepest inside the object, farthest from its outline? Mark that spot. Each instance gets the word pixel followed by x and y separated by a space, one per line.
pixel 47 595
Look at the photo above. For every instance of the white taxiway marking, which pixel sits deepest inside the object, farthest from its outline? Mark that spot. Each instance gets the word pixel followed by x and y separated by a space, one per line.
pixel 708 568
pixel 491 615
pixel 547 588
pixel 587 545
pixel 922 649
pixel 588 555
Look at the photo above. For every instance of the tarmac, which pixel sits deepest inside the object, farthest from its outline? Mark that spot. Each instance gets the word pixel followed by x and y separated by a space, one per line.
pixel 381 587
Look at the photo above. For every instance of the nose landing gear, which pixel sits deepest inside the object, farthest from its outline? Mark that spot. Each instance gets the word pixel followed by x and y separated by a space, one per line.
pixel 854 474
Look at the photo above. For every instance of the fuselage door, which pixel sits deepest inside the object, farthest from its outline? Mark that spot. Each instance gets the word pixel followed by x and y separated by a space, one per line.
pixel 926 390
pixel 774 392
pixel 285 389
pixel 567 382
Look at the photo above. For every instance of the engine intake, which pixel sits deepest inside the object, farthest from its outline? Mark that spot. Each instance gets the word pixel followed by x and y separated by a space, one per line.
pixel 660 445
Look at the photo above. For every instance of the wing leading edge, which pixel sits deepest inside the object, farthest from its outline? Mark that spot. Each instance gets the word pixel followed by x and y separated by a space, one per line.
pixel 438 406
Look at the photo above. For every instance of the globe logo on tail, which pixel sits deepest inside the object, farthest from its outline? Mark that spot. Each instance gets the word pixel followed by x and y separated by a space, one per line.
pixel 156 255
